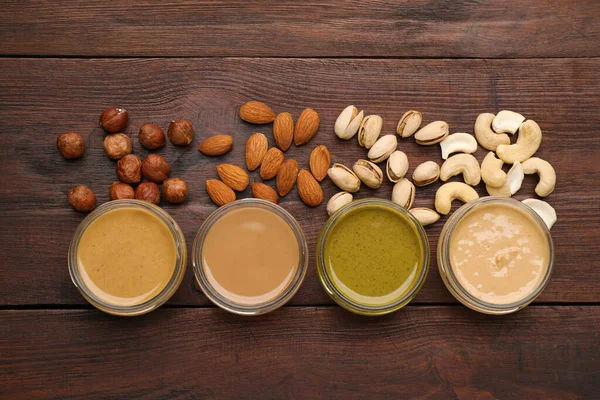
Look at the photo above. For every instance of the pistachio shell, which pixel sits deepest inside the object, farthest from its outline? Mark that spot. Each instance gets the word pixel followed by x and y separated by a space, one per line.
pixel 403 193
pixel 397 166
pixel 369 130
pixel 426 216
pixel 337 201
pixel 409 123
pixel 344 178
pixel 432 133
pixel 348 122
pixel 382 148
pixel 369 173
pixel 426 173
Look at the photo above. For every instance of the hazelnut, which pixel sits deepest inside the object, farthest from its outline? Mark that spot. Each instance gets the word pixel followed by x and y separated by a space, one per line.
pixel 181 132
pixel 151 136
pixel 117 145
pixel 82 198
pixel 129 169
pixel 155 168
pixel 120 190
pixel 70 145
pixel 113 119
pixel 148 191
pixel 175 190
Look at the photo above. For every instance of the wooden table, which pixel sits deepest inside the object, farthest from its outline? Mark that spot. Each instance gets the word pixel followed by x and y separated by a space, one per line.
pixel 64 62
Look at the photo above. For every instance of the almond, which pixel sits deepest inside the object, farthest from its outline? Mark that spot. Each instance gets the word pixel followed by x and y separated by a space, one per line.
pixel 264 192
pixel 219 192
pixel 319 162
pixel 256 112
pixel 216 145
pixel 271 163
pixel 283 130
pixel 286 177
pixel 309 189
pixel 256 148
pixel 233 176
pixel 306 126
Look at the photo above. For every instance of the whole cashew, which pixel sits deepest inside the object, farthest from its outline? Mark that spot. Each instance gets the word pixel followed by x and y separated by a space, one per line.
pixel 450 191
pixel 491 171
pixel 546 172
pixel 487 138
pixel 514 180
pixel 464 164
pixel 529 140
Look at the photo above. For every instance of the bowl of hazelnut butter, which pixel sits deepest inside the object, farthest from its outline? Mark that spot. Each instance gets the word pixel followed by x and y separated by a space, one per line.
pixel 495 255
pixel 127 257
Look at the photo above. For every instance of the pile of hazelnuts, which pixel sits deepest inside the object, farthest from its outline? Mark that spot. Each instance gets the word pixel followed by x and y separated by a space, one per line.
pixel 130 168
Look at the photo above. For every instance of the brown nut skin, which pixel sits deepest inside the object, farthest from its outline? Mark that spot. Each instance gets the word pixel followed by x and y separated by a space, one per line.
pixel 129 169
pixel 120 190
pixel 117 145
pixel 151 136
pixel 181 132
pixel 175 190
pixel 81 198
pixel 155 168
pixel 70 145
pixel 114 119
pixel 148 191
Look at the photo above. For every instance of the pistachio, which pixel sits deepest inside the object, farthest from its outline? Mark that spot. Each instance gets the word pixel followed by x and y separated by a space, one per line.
pixel 425 216
pixel 382 148
pixel 337 201
pixel 348 122
pixel 344 178
pixel 397 166
pixel 403 193
pixel 409 123
pixel 432 133
pixel 369 173
pixel 426 173
pixel 369 130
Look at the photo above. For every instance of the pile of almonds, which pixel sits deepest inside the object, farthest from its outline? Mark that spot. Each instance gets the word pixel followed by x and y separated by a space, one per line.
pixel 271 161
pixel 130 168
pixel 491 133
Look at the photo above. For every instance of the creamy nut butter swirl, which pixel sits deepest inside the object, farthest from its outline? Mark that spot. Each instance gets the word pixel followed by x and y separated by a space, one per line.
pixel 499 254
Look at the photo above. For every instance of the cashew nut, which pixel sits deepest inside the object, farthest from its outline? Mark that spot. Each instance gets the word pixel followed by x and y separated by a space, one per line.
pixel 425 216
pixel 546 172
pixel 464 164
pixel 458 143
pixel 450 191
pixel 507 121
pixel 491 171
pixel 543 209
pixel 529 140
pixel 514 180
pixel 487 138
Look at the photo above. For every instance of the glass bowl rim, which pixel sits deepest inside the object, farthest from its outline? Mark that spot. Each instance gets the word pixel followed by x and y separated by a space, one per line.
pixel 161 297
pixel 257 309
pixel 344 300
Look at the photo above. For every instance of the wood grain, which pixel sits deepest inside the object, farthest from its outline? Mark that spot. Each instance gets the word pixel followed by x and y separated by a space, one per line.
pixel 289 28
pixel 41 98
pixel 301 353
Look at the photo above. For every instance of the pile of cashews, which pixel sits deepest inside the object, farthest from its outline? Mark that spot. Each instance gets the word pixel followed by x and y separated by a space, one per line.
pixel 491 132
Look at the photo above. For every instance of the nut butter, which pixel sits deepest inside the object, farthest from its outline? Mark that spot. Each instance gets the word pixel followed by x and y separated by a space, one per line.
pixel 250 257
pixel 127 257
pixel 495 255
pixel 372 256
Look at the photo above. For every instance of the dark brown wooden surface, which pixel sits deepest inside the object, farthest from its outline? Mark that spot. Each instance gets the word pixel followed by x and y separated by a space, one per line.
pixel 46 97
pixel 290 28
pixel 302 353
pixel 449 59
